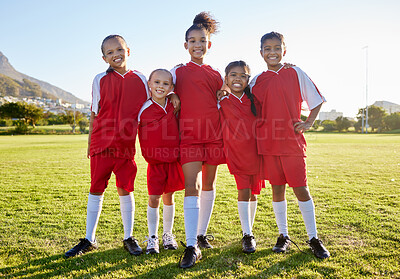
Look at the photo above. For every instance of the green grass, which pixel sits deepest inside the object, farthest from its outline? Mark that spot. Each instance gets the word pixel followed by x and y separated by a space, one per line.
pixel 354 180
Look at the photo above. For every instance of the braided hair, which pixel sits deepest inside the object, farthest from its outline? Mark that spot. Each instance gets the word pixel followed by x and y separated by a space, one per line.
pixel 247 90
pixel 203 21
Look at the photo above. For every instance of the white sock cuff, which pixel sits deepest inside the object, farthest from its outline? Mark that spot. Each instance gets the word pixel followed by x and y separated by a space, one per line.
pixel 95 197
pixel 127 199
pixel 95 202
pixel 168 207
pixel 279 207
pixel 306 206
pixel 191 202
pixel 208 195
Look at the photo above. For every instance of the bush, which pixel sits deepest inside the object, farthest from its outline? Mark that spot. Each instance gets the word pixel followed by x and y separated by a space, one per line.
pixel 329 125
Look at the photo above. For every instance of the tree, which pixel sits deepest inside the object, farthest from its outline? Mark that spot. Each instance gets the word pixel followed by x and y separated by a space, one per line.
pixel 342 123
pixel 316 124
pixel 329 125
pixel 83 123
pixel 72 117
pixel 33 114
pixel 375 117
pixel 392 121
pixel 25 113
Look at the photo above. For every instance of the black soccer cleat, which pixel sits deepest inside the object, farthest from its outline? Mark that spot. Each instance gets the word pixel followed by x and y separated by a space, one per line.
pixel 82 247
pixel 248 244
pixel 190 256
pixel 132 246
pixel 282 244
pixel 318 248
pixel 202 241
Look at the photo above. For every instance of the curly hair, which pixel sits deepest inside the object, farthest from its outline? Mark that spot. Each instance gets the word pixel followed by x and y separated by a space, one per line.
pixel 203 21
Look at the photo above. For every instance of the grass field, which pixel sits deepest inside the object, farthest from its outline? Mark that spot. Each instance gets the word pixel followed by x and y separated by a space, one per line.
pixel 354 180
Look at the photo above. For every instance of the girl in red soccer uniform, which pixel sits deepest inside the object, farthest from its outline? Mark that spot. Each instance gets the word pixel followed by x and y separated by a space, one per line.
pixel 117 96
pixel 159 141
pixel 238 115
pixel 280 138
pixel 201 147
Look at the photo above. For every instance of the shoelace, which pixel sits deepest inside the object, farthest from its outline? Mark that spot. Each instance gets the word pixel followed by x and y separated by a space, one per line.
pixel 151 242
pixel 168 238
pixel 184 252
pixel 208 237
pixel 296 246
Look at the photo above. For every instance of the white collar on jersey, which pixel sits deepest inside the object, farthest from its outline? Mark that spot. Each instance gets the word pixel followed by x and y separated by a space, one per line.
pixel 240 99
pixel 277 72
pixel 127 71
pixel 196 63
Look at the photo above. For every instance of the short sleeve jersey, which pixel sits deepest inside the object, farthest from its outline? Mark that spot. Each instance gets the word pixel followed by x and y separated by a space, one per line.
pixel 281 95
pixel 239 135
pixel 158 133
pixel 116 101
pixel 196 85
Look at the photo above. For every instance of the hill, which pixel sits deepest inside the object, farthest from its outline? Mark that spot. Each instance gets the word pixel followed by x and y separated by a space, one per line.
pixel 16 78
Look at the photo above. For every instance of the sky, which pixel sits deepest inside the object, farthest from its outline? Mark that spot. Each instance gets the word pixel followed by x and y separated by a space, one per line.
pixel 59 41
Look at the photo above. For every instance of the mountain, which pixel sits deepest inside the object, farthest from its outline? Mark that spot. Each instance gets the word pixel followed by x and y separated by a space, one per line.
pixel 8 70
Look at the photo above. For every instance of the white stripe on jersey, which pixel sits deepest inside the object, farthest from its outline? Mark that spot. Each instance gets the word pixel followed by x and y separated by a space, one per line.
pixel 96 92
pixel 144 80
pixel 309 92
pixel 146 105
pixel 173 73
pixel 253 82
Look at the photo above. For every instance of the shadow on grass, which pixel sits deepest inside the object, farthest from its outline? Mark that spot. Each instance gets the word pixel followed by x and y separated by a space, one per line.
pixel 218 262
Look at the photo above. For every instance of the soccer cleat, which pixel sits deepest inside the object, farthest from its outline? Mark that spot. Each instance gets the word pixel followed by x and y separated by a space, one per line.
pixel 152 245
pixel 82 247
pixel 318 248
pixel 190 256
pixel 248 244
pixel 202 241
pixel 132 246
pixel 169 241
pixel 282 244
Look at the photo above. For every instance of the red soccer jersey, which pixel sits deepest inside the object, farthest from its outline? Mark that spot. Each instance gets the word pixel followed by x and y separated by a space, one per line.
pixel 158 133
pixel 281 94
pixel 239 134
pixel 116 100
pixel 196 85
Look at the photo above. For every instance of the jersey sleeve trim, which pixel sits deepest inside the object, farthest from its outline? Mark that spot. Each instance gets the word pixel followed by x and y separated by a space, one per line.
pixel 96 92
pixel 144 80
pixel 309 92
pixel 253 82
pixel 173 73
pixel 146 105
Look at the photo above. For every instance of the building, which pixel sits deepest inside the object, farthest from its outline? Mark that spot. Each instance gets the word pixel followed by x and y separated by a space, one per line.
pixel 388 106
pixel 331 115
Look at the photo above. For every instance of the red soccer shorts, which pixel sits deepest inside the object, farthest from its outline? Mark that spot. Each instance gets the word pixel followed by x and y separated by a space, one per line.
pixel 164 178
pixel 101 167
pixel 280 170
pixel 252 182
pixel 211 153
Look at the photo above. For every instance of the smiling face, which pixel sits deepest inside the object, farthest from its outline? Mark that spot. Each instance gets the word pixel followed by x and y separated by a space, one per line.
pixel 115 52
pixel 160 84
pixel 272 51
pixel 197 44
pixel 237 79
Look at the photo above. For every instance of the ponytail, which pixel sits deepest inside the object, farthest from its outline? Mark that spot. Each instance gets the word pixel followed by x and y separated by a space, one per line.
pixel 203 21
pixel 249 95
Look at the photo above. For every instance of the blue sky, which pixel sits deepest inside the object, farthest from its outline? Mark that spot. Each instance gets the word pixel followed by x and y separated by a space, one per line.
pixel 59 41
